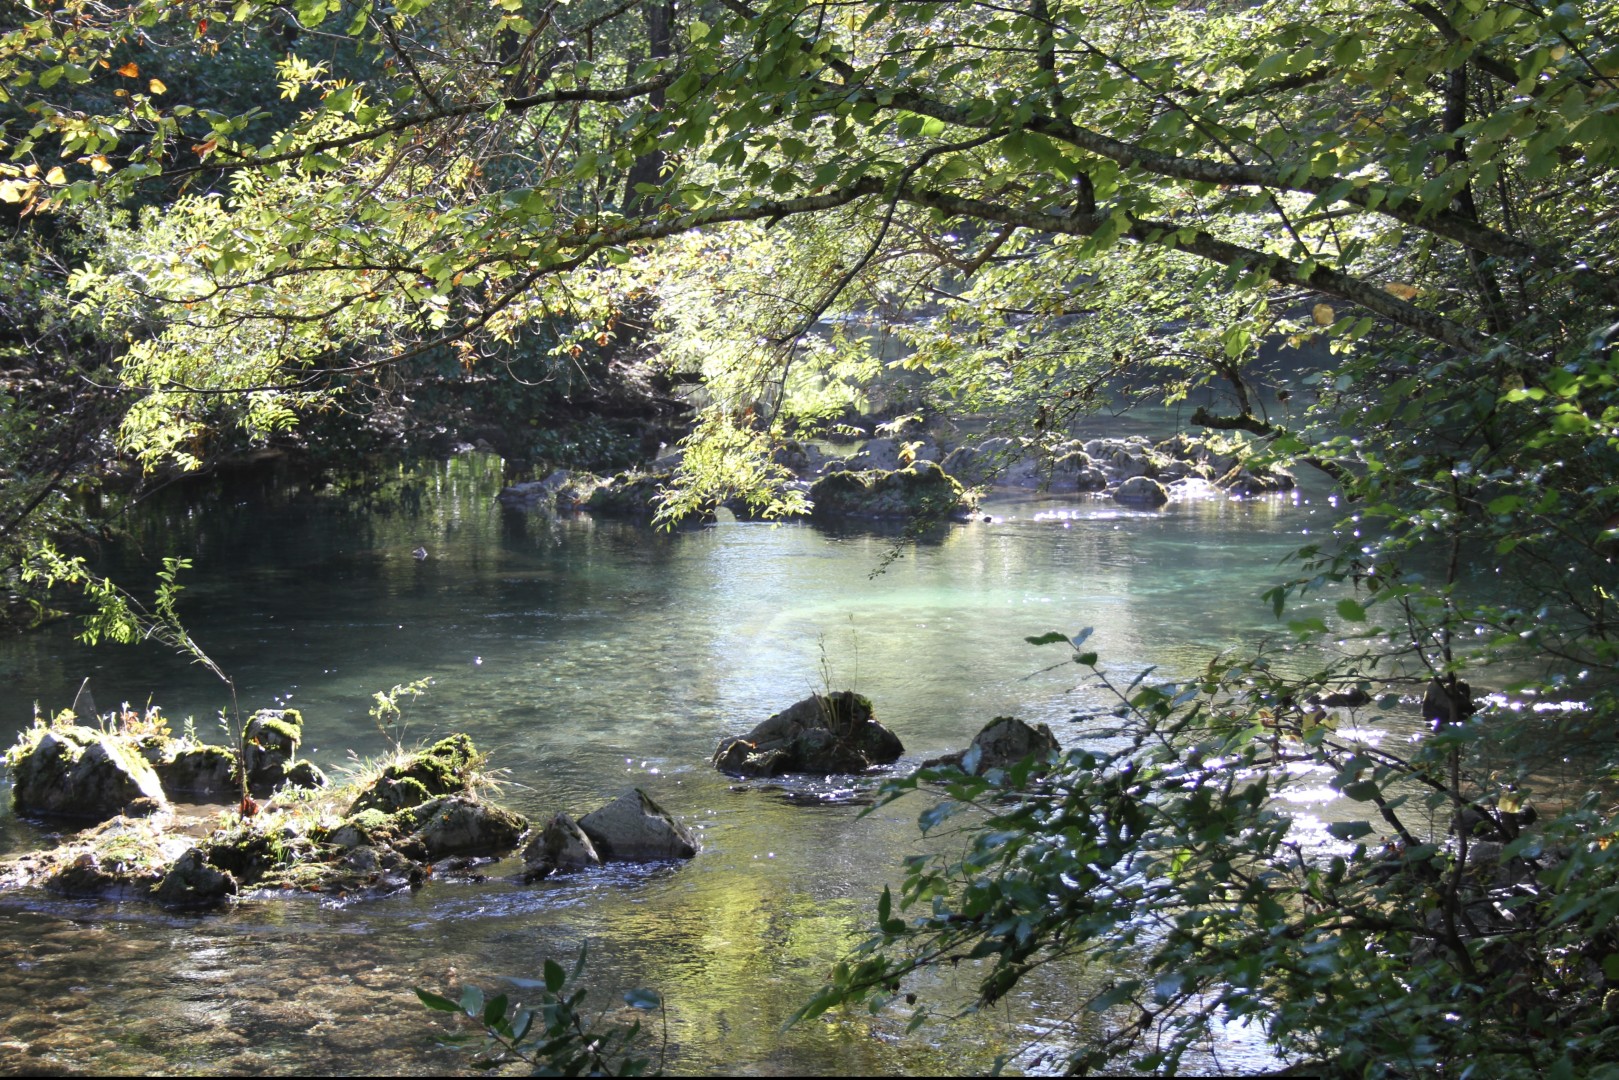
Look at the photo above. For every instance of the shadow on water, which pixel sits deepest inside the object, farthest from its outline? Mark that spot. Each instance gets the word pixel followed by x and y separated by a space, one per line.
pixel 588 656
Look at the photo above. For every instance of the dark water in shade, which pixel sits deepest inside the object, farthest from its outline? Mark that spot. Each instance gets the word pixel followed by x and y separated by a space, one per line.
pixel 588 656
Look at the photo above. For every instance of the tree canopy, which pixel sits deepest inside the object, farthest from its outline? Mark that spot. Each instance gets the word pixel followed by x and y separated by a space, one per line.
pixel 1045 202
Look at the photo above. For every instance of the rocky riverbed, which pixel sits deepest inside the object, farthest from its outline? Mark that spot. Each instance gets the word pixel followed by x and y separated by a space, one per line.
pixel 889 479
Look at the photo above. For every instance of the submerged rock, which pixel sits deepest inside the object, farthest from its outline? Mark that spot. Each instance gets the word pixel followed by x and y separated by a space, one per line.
pixel 78 772
pixel 831 733
pixel 633 828
pixel 1000 744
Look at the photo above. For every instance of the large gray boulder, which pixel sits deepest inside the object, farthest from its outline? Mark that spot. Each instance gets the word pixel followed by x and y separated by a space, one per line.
pixel 536 492
pixel 78 772
pixel 633 828
pixel 883 454
pixel 824 733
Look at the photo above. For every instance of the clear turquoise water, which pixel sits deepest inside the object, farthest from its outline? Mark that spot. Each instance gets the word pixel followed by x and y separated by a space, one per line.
pixel 589 656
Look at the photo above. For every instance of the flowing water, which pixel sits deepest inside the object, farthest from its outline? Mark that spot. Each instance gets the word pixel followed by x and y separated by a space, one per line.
pixel 589 656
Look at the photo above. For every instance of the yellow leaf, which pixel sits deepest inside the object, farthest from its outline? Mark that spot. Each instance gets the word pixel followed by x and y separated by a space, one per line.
pixel 11 191
pixel 1403 291
pixel 157 86
pixel 129 70
pixel 56 176
pixel 1323 315
pixel 100 164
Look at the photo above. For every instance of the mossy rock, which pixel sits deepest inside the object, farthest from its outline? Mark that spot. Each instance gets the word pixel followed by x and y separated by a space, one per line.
pixel 288 845
pixel 278 730
pixel 87 876
pixel 445 768
pixel 921 491
pixel 367 828
pixel 121 859
pixel 627 495
pixel 249 851
pixel 462 825
pixel 78 772
pixel 271 738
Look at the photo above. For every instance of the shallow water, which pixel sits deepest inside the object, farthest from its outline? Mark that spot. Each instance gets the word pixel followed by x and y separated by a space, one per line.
pixel 588 656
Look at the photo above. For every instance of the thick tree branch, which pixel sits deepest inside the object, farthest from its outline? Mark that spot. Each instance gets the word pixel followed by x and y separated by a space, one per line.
pixel 1409 210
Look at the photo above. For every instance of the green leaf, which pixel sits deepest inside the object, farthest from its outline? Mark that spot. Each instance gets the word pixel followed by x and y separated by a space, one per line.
pixel 494 1010
pixel 555 977
pixel 1349 609
pixel 1047 639
pixel 1361 791
pixel 1117 994
pixel 436 1002
pixel 1348 830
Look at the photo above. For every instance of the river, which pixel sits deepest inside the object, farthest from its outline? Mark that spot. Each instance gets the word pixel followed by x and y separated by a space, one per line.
pixel 588 656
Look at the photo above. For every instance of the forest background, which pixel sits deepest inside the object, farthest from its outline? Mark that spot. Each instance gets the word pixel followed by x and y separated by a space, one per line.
pixel 345 226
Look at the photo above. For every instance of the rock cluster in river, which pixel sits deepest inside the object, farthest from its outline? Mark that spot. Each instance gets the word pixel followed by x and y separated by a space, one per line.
pixel 418 815
pixel 631 828
pixel 68 770
pixel 889 479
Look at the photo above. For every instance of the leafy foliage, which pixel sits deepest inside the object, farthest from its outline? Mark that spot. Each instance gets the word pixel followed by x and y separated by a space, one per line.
pixel 555 1038
pixel 1173 863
